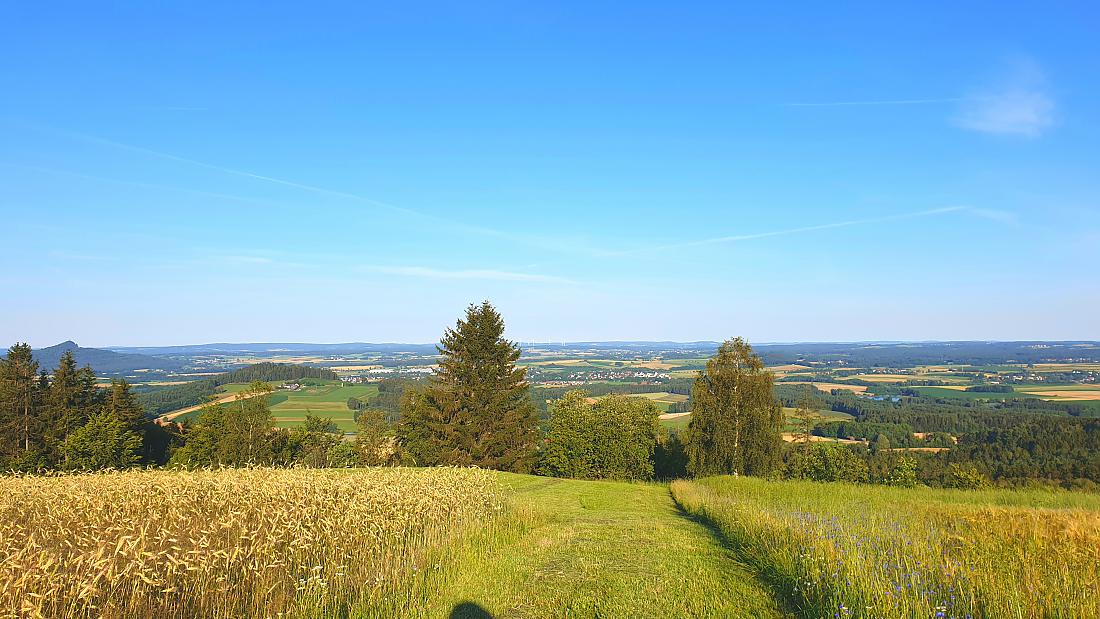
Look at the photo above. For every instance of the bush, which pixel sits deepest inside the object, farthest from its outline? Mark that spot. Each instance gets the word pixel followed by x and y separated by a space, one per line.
pixel 826 463
pixel 613 437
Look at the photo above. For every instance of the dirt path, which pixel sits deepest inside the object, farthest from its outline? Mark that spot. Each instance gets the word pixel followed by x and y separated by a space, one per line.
pixel 232 397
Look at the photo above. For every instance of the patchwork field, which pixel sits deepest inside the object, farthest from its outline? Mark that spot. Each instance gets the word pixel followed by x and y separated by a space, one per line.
pixel 328 400
pixel 289 408
pixel 662 399
pixel 828 387
pixel 882 378
pixel 1073 393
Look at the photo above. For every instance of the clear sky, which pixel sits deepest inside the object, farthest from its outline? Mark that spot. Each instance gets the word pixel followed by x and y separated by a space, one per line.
pixel 208 171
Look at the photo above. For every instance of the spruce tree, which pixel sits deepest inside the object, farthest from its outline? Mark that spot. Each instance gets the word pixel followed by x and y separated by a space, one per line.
pixel 103 442
pixel 736 419
pixel 21 410
pixel 121 403
pixel 476 409
pixel 64 412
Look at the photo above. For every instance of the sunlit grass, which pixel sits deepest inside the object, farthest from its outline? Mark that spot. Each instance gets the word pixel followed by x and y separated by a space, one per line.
pixel 844 550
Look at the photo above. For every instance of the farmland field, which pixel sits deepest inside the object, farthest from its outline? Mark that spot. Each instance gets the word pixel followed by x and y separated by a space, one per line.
pixel 327 400
pixel 679 421
pixel 233 543
pixel 827 387
pixel 289 408
pixel 1063 392
pixel 430 543
pixel 661 398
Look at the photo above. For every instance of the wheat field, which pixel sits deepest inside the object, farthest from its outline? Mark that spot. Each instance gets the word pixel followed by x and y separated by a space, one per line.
pixel 232 543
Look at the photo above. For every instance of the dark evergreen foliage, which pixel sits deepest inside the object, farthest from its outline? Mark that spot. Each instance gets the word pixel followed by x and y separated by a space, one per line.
pixel 476 409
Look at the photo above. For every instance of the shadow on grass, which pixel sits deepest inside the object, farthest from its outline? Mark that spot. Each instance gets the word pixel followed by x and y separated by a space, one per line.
pixel 775 582
pixel 469 610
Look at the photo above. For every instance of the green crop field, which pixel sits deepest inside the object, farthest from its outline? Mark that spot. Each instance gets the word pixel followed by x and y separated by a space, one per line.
pixel 325 399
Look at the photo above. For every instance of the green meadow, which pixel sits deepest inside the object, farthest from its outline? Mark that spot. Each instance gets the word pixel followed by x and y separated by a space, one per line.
pixel 320 399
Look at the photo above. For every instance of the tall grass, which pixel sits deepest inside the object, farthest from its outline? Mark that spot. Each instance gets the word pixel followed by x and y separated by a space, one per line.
pixel 232 543
pixel 838 550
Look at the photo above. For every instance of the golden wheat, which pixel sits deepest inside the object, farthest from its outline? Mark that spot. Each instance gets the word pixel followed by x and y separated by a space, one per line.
pixel 231 543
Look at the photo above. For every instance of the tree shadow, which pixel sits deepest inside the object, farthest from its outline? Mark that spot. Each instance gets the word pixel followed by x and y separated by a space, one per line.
pixel 469 610
pixel 775 582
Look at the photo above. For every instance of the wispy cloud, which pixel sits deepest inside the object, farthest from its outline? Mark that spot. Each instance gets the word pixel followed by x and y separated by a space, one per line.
pixel 484 274
pixel 876 102
pixel 799 230
pixel 138 184
pixel 449 223
pixel 1017 104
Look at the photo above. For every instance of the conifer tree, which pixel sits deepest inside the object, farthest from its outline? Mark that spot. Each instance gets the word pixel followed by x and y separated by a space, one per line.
pixel 736 420
pixel 476 410
pixel 103 442
pixel 122 403
pixel 21 406
pixel 64 412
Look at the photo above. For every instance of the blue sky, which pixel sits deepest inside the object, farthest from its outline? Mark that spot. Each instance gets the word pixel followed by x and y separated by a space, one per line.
pixel 658 171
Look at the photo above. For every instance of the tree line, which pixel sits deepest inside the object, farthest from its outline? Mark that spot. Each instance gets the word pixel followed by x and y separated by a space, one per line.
pixel 64 420
pixel 477 410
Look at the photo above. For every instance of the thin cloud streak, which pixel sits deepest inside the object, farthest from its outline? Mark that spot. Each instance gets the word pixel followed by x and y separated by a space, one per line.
pixel 483 274
pixel 141 185
pixel 787 231
pixel 316 189
pixel 876 102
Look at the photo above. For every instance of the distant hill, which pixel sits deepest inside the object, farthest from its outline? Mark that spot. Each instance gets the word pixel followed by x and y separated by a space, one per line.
pixel 103 361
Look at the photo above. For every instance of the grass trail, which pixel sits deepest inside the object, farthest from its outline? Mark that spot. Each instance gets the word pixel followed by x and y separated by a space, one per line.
pixel 598 549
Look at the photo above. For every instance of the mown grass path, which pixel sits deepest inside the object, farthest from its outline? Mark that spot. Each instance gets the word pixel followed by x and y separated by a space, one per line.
pixel 599 549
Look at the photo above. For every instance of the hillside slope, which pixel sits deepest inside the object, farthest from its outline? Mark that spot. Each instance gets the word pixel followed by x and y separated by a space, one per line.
pixel 103 361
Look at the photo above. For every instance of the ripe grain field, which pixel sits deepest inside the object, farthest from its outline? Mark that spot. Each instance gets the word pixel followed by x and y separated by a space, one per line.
pixel 233 543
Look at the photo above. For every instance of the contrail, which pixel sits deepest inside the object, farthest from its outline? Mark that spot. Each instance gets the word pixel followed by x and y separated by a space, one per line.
pixel 139 184
pixel 876 102
pixel 786 231
pixel 303 186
